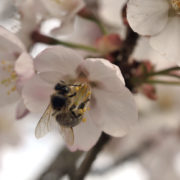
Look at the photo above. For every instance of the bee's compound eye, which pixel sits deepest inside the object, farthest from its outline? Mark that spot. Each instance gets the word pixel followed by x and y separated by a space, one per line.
pixel 58 102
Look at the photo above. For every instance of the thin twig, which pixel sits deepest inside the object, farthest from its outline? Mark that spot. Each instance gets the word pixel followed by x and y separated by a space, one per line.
pixel 90 157
pixel 64 163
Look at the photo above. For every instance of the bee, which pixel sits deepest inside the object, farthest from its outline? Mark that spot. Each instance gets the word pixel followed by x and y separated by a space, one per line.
pixel 65 110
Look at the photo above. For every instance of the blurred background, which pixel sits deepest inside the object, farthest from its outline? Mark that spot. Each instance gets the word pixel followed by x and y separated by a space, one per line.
pixel 150 152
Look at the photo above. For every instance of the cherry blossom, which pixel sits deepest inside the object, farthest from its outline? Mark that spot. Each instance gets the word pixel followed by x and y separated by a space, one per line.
pixel 111 107
pixel 31 14
pixel 34 12
pixel 158 19
pixel 65 10
pixel 16 66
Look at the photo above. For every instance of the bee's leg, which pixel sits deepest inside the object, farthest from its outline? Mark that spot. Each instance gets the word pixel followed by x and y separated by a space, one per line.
pixel 72 107
pixel 83 104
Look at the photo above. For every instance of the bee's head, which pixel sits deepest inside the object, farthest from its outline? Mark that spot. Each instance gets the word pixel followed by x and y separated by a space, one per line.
pixel 61 88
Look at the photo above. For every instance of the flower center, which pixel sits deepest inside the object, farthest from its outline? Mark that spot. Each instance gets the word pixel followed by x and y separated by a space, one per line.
pixel 8 82
pixel 176 5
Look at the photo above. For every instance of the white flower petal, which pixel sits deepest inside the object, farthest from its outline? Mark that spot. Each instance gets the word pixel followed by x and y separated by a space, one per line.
pixel 114 111
pixel 86 134
pixel 21 110
pixel 24 66
pixel 51 77
pixel 36 94
pixel 63 8
pixel 59 59
pixel 102 71
pixel 168 41
pixel 147 17
pixel 86 35
pixel 66 28
pixel 7 96
pixel 9 42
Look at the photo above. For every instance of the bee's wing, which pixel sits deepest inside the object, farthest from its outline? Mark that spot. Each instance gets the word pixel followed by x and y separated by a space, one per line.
pixel 67 134
pixel 45 123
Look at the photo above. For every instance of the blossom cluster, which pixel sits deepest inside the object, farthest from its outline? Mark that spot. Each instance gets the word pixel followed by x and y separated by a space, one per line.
pixel 83 93
pixel 31 82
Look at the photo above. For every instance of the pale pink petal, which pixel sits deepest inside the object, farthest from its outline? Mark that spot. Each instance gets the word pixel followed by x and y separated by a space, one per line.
pixel 51 77
pixel 86 134
pixel 24 66
pixel 86 35
pixel 147 17
pixel 59 59
pixel 66 28
pixel 168 41
pixel 9 42
pixel 114 110
pixel 63 8
pixel 36 94
pixel 102 72
pixel 21 110
pixel 7 96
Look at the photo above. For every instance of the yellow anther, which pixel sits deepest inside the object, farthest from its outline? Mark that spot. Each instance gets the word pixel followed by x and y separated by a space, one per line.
pixel 3 62
pixel 77 88
pixel 84 120
pixel 13 88
pixel 88 108
pixel 81 111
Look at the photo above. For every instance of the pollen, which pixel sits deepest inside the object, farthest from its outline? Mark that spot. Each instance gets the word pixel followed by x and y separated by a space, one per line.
pixel 10 78
pixel 80 100
pixel 77 88
pixel 80 111
pixel 84 120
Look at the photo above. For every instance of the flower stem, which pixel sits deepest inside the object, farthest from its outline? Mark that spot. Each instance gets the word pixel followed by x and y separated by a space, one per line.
pixel 101 26
pixel 164 72
pixel 38 37
pixel 162 82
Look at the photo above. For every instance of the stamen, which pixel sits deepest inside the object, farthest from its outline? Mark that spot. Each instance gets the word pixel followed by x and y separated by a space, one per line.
pixel 11 77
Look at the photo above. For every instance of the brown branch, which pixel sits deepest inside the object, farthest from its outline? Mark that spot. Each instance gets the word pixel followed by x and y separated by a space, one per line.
pixel 90 157
pixel 135 153
pixel 64 163
pixel 128 46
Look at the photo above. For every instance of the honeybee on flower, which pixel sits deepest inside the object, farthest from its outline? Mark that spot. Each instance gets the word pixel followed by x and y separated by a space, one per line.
pixel 84 97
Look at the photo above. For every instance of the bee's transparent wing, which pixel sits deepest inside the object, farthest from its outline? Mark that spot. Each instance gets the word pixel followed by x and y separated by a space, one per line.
pixel 45 123
pixel 67 134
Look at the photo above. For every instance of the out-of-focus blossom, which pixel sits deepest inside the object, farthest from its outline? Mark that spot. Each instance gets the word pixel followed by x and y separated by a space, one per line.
pixel 158 19
pixel 65 10
pixel 31 13
pixel 8 15
pixel 16 66
pixel 108 43
pixel 34 12
pixel 159 161
pixel 112 107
